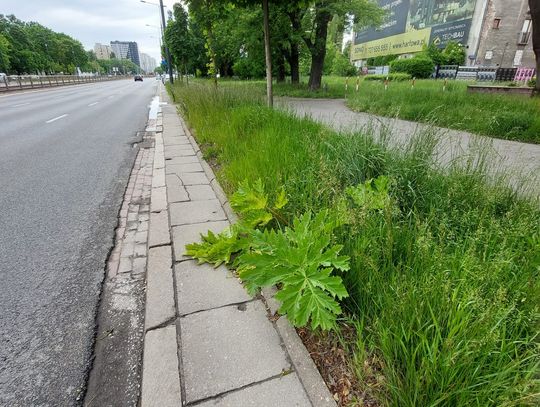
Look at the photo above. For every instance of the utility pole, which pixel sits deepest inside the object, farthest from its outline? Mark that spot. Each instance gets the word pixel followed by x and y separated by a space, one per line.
pixel 168 54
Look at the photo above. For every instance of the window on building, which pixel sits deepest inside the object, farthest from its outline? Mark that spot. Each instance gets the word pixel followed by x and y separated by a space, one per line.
pixel 496 23
pixel 525 33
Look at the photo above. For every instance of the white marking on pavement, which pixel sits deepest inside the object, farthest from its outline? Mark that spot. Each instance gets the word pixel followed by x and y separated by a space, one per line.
pixel 21 104
pixel 56 118
pixel 93 104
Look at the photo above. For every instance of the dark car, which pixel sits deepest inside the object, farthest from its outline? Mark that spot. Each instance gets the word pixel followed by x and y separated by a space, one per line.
pixel 138 78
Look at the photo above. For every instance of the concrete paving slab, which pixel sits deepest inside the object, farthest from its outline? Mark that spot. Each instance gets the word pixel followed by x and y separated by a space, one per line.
pixel 285 391
pixel 202 287
pixel 227 348
pixel 200 192
pixel 182 235
pixel 158 179
pixel 185 168
pixel 176 192
pixel 186 213
pixel 178 153
pixel 159 287
pixel 194 178
pixel 159 233
pixel 161 379
pixel 176 141
pixel 181 160
pixel 158 201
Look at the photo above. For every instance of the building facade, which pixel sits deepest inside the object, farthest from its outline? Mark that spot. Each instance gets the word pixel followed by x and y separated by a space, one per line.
pixel 148 64
pixel 102 51
pixel 126 50
pixel 494 32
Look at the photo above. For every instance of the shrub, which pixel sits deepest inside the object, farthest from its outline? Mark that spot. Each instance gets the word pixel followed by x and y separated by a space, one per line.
pixel 532 82
pixel 418 67
pixel 341 66
pixel 397 77
pixel 246 68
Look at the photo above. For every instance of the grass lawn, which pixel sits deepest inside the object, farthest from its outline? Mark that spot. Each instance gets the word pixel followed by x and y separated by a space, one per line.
pixel 503 116
pixel 444 282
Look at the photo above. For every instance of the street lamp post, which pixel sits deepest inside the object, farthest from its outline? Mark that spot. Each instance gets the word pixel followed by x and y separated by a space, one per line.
pixel 163 25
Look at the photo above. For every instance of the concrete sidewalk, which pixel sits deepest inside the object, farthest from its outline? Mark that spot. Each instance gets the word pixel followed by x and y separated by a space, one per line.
pixel 208 343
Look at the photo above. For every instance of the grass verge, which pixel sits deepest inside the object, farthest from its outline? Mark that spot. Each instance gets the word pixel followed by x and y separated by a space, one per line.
pixel 444 288
pixel 510 117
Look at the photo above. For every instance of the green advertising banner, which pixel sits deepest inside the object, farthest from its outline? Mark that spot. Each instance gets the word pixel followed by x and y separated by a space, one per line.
pixel 409 24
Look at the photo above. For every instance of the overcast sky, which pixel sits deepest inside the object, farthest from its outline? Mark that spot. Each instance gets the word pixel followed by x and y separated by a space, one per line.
pixel 95 20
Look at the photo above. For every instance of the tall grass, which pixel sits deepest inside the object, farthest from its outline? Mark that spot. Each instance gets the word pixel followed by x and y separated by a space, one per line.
pixel 444 285
pixel 332 87
pixel 510 117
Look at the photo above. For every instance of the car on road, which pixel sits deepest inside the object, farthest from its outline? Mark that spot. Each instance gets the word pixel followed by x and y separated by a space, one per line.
pixel 138 78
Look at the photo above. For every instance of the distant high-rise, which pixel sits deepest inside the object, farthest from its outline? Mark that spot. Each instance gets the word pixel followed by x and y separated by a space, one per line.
pixel 102 51
pixel 148 64
pixel 126 50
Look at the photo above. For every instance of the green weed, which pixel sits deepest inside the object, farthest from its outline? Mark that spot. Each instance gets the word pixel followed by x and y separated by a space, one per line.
pixel 444 273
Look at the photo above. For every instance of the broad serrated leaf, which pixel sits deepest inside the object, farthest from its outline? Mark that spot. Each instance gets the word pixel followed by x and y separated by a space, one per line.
pixel 281 199
pixel 372 194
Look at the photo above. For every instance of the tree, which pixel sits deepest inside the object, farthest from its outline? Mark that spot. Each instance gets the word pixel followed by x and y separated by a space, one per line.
pixel 178 38
pixel 534 8
pixel 316 18
pixel 5 48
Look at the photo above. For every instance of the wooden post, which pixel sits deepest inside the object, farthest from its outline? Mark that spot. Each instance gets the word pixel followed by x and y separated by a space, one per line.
pixel 357 83
pixel 444 85
pixel 413 81
pixel 346 84
pixel 386 83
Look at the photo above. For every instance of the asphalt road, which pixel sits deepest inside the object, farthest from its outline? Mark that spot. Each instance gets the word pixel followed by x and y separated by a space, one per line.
pixel 65 158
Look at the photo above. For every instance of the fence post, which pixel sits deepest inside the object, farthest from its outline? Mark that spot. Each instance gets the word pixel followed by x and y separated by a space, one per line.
pixel 6 82
pixel 413 80
pixel 20 83
pixel 346 84
pixel 31 82
pixel 357 83
pixel 444 85
pixel 386 83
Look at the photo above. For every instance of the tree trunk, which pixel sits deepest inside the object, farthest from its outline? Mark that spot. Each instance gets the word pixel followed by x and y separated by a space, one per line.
pixel 294 63
pixel 294 56
pixel 534 7
pixel 318 49
pixel 281 72
pixel 268 55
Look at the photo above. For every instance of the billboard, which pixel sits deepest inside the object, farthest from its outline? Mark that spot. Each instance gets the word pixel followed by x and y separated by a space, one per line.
pixel 410 24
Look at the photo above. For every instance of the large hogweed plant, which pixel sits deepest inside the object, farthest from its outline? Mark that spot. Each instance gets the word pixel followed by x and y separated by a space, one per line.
pixel 301 258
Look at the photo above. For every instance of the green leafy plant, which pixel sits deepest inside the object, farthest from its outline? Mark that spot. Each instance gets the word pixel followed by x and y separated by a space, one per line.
pixel 299 259
pixel 372 194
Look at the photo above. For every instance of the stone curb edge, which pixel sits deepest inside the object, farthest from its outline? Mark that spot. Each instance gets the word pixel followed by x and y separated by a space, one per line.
pixel 309 375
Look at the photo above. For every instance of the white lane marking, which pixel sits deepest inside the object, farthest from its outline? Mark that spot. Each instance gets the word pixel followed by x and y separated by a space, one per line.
pixel 93 104
pixel 21 104
pixel 56 118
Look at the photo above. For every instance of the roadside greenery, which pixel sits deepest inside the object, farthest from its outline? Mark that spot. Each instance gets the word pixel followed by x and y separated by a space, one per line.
pixel 30 48
pixel 306 38
pixel 502 116
pixel 443 284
